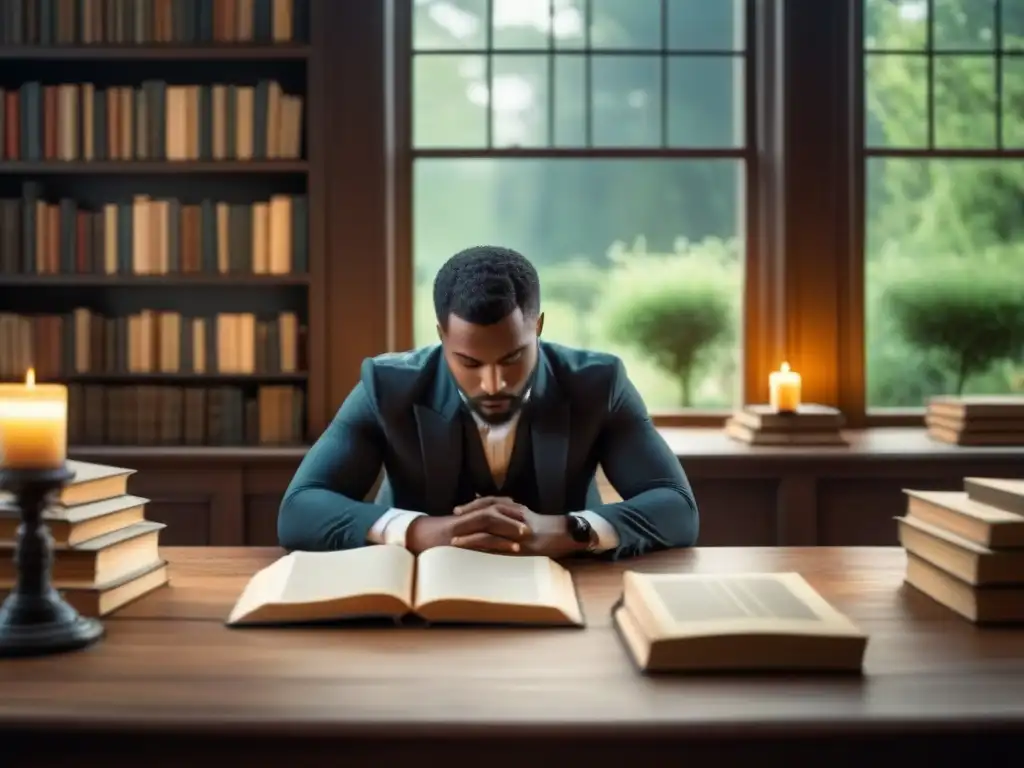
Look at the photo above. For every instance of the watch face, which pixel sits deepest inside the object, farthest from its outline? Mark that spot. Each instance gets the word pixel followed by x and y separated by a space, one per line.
pixel 579 529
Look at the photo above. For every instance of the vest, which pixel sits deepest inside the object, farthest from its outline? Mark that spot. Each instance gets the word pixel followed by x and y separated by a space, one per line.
pixel 476 479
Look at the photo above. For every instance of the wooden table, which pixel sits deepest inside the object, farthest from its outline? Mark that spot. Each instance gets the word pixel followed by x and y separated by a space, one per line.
pixel 170 684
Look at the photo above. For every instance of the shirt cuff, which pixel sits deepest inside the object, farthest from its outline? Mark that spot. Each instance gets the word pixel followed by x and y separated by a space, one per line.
pixel 604 531
pixel 391 527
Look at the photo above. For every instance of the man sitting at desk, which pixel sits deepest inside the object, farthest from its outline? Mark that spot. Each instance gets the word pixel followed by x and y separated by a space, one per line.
pixel 491 440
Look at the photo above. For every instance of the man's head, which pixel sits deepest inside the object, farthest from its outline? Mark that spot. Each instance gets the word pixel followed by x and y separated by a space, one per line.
pixel 487 302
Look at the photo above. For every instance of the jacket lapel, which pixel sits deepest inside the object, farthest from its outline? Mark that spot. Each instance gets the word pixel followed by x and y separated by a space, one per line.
pixel 549 430
pixel 440 436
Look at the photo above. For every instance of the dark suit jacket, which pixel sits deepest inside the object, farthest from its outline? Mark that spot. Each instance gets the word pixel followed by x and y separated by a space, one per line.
pixel 403 415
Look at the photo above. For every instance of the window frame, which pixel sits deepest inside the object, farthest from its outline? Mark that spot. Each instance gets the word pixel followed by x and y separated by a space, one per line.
pixel 400 262
pixel 804 271
pixel 863 152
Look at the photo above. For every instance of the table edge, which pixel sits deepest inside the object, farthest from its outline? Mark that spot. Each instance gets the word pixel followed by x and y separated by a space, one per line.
pixel 604 730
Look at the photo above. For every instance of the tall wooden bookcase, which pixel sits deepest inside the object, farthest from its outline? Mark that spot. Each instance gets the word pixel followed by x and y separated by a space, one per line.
pixel 163 187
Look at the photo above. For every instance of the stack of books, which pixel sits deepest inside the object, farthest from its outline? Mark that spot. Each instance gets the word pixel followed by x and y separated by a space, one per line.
pixel 106 554
pixel 977 420
pixel 810 424
pixel 965 549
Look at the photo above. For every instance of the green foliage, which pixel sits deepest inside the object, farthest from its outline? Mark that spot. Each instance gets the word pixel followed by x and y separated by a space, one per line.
pixel 944 205
pixel 675 309
pixel 577 283
pixel 970 314
pixel 899 373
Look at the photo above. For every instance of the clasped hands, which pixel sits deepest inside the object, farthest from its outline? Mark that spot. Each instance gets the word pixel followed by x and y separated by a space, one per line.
pixel 494 524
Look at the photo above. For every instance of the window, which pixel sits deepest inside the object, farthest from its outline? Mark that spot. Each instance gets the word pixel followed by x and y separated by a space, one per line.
pixel 944 239
pixel 607 141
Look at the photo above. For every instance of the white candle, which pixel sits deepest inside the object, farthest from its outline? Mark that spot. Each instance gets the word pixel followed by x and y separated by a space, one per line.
pixel 33 424
pixel 784 389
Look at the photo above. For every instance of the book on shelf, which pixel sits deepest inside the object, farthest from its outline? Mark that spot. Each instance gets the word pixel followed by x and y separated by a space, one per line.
pixel 165 415
pixel 441 585
pixel 810 424
pixel 155 121
pixel 142 22
pixel 758 622
pixel 967 553
pixel 83 342
pixel 106 553
pixel 146 235
pixel 976 420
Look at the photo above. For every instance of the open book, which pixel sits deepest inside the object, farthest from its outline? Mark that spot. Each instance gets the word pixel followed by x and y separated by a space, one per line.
pixel 744 622
pixel 442 585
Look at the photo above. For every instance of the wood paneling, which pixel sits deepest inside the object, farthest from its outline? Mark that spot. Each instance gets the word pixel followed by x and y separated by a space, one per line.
pixel 747 496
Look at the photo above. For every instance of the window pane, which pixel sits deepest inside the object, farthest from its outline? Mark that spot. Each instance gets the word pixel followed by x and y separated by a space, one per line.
pixel 896 101
pixel 521 23
pixel 895 25
pixel 1013 25
pixel 697 25
pixel 944 279
pixel 450 96
pixel 705 101
pixel 1013 102
pixel 965 25
pixel 626 101
pixel 570 103
pixel 449 24
pixel 569 24
pixel 965 102
pixel 642 258
pixel 520 115
pixel 625 24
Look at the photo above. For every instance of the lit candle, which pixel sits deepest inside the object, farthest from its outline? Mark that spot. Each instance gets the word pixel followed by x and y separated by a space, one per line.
pixel 784 389
pixel 33 424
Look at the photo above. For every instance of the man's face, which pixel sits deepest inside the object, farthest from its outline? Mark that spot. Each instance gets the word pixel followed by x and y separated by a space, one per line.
pixel 493 365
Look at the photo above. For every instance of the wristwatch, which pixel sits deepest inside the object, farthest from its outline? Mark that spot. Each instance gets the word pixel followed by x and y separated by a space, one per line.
pixel 580 530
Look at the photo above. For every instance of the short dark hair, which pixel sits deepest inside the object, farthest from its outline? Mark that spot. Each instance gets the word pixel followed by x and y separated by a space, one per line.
pixel 485 284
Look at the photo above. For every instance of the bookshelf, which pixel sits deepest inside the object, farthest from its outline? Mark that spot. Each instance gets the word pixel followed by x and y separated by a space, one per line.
pixel 160 180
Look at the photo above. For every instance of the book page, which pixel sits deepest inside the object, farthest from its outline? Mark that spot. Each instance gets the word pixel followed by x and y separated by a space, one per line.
pixel 292 587
pixel 451 573
pixel 692 604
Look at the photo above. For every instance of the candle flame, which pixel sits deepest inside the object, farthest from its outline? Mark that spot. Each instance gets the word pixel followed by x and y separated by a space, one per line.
pixel 784 368
pixel 30 377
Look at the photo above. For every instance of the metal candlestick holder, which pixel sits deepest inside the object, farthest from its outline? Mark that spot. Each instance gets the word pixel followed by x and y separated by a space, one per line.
pixel 34 619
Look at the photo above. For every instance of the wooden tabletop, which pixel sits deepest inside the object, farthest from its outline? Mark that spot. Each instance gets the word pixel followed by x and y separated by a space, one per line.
pixel 168 664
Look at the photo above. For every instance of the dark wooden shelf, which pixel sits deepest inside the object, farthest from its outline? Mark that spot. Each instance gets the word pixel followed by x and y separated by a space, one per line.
pixel 152 167
pixel 131 281
pixel 185 378
pixel 161 454
pixel 157 52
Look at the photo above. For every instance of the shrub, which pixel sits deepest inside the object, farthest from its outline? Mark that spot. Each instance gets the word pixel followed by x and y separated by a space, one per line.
pixel 970 313
pixel 677 310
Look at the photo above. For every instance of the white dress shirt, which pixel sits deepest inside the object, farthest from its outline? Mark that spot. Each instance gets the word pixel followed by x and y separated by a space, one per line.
pixel 498 442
